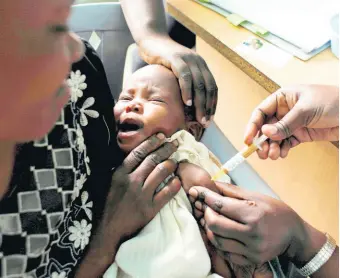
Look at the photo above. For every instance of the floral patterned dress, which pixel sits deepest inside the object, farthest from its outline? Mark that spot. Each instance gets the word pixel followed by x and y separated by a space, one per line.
pixel 59 184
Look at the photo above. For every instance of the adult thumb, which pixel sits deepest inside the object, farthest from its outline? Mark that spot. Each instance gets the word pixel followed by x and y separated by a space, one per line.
pixel 284 128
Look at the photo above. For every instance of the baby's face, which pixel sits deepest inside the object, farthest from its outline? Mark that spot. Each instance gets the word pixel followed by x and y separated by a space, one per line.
pixel 150 103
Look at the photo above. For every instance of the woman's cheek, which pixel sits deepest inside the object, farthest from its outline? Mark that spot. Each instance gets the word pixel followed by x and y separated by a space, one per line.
pixel 45 76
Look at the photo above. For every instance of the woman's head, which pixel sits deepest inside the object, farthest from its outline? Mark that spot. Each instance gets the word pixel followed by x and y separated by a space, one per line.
pixel 150 103
pixel 36 52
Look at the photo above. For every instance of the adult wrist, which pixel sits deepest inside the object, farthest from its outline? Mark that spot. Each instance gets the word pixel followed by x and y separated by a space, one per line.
pixel 106 242
pixel 324 255
pixel 101 254
pixel 153 36
pixel 308 244
pixel 100 257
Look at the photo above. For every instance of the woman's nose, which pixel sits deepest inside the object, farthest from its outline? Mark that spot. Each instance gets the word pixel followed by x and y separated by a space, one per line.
pixel 134 107
pixel 76 47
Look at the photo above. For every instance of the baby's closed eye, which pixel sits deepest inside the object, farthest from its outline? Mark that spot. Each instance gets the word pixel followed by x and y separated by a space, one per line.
pixel 155 97
pixel 157 100
pixel 124 97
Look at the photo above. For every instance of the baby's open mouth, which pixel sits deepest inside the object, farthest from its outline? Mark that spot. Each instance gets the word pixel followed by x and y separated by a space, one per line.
pixel 129 125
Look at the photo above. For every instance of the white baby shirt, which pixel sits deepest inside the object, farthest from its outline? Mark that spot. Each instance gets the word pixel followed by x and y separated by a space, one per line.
pixel 170 246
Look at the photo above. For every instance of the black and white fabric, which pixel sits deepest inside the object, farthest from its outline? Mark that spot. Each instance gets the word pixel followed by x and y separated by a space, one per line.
pixel 59 183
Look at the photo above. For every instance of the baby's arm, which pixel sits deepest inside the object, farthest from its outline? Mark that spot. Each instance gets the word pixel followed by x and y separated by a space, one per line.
pixel 193 175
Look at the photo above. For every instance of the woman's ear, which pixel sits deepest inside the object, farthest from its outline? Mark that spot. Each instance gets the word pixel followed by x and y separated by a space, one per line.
pixel 195 128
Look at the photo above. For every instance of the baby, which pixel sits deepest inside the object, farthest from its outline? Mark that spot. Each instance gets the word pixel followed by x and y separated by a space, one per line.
pixel 171 245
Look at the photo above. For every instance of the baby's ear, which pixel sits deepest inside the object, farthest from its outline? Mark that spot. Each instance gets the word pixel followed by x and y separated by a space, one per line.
pixel 195 128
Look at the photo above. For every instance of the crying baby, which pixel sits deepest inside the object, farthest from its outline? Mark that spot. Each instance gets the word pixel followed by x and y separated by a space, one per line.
pixel 172 244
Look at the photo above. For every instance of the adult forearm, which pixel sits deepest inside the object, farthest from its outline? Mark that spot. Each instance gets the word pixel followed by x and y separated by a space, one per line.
pixel 93 265
pixel 330 268
pixel 309 246
pixel 100 256
pixel 145 18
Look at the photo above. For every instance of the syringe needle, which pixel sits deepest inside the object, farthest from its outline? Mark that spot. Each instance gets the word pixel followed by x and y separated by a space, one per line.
pixel 240 157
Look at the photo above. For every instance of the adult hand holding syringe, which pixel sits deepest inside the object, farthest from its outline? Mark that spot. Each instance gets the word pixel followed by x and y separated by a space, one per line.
pixel 236 216
pixel 294 115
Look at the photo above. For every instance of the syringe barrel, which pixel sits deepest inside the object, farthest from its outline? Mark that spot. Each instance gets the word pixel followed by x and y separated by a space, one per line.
pixel 233 162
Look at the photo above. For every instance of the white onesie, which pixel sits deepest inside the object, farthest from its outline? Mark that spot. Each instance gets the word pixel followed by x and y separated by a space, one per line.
pixel 170 246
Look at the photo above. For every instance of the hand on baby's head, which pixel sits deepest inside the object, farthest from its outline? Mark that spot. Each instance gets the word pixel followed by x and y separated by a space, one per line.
pixel 150 103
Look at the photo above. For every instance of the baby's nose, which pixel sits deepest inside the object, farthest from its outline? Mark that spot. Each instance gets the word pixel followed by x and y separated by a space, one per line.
pixel 134 107
pixel 76 47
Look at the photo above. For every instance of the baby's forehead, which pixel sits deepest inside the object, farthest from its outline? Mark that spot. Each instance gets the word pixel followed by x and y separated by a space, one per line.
pixel 153 74
pixel 154 77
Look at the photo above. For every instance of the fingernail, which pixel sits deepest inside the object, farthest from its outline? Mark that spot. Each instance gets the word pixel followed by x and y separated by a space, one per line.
pixel 202 195
pixel 202 222
pixel 247 140
pixel 198 205
pixel 175 142
pixel 193 193
pixel 189 102
pixel 204 121
pixel 160 136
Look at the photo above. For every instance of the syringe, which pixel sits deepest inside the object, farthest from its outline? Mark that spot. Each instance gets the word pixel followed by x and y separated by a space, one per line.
pixel 240 157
